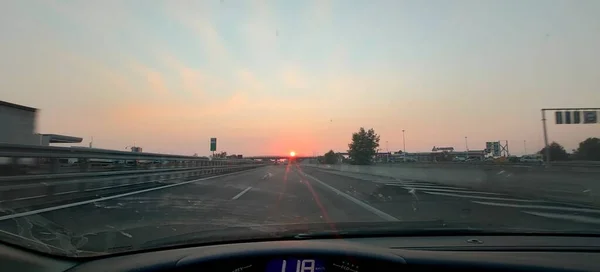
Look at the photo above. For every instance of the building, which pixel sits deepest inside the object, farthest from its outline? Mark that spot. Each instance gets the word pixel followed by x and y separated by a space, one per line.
pixel 18 125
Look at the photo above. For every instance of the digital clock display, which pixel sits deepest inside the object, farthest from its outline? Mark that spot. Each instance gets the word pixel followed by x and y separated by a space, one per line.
pixel 295 265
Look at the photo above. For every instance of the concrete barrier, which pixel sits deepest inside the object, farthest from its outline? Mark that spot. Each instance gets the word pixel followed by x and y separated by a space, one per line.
pixel 580 187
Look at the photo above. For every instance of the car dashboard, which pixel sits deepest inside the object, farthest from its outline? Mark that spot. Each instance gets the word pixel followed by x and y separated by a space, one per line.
pixel 485 253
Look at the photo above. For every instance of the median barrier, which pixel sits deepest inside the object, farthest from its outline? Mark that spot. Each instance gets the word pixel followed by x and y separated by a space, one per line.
pixel 580 187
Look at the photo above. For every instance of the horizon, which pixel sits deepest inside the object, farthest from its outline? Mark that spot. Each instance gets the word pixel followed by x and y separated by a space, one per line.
pixel 278 76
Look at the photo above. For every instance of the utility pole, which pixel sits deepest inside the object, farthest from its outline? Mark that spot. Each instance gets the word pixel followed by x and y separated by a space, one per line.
pixel 403 145
pixel 546 149
pixel 467 147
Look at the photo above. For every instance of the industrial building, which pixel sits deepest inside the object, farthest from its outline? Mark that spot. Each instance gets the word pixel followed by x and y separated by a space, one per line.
pixel 18 126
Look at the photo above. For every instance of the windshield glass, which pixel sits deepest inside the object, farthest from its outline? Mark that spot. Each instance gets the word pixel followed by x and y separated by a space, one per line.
pixel 131 125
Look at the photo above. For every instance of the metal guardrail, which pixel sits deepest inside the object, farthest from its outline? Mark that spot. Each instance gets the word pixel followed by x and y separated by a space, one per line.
pixel 49 189
pixel 33 151
pixel 28 160
pixel 491 163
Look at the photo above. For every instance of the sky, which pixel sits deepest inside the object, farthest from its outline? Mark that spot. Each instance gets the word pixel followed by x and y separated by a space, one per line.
pixel 268 77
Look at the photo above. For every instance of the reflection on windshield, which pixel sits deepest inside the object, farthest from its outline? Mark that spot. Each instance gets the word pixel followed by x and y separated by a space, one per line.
pixel 128 127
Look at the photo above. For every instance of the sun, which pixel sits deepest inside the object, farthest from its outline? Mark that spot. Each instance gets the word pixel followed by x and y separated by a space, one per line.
pixel 292 154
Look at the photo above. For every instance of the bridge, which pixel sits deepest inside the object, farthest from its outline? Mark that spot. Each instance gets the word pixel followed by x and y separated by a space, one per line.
pixel 106 197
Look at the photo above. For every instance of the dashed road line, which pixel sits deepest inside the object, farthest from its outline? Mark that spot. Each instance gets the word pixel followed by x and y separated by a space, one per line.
pixel 241 193
pixel 29 197
pixel 67 192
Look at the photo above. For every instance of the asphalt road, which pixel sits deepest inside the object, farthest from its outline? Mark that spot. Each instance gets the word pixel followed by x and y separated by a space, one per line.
pixel 274 195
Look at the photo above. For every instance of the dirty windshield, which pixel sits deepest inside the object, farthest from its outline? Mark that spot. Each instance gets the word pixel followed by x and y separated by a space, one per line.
pixel 135 125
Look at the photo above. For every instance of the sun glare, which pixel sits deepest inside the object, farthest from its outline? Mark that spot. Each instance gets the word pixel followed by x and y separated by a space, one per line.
pixel 292 154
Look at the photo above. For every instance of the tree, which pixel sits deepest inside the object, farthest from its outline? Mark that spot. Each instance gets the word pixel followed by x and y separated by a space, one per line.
pixel 557 152
pixel 220 155
pixel 588 150
pixel 363 147
pixel 330 157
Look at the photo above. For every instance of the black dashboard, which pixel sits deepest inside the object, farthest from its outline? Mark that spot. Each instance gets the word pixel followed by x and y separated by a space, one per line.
pixel 486 253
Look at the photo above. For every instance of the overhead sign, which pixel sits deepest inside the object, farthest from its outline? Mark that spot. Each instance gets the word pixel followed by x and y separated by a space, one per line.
pixel 450 149
pixel 590 117
pixel 559 117
pixel 567 117
pixel 213 144
pixel 494 148
pixel 576 117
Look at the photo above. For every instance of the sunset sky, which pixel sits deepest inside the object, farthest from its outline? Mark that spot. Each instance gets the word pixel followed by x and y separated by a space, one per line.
pixel 268 77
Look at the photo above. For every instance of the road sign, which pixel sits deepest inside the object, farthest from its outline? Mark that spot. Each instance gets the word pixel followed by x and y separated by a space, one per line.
pixel 489 145
pixel 590 117
pixel 559 117
pixel 576 117
pixel 496 149
pixel 213 144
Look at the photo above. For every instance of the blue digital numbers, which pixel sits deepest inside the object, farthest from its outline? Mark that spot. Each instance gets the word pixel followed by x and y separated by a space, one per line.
pixel 295 265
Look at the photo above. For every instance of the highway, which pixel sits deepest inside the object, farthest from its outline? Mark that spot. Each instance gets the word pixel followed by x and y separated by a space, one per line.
pixel 272 195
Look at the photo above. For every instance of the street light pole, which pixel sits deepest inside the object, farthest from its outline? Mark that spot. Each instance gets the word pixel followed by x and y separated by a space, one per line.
pixel 403 145
pixel 525 146
pixel 467 147
pixel 546 149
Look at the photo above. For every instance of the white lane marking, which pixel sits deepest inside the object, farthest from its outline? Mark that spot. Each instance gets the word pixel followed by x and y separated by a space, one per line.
pixel 108 187
pixel 570 217
pixel 241 193
pixel 29 197
pixel 356 201
pixel 444 190
pixel 67 192
pixel 424 186
pixel 59 207
pixel 447 190
pixel 481 197
pixel 557 208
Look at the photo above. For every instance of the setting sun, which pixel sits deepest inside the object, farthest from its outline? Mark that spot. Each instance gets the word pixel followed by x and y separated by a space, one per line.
pixel 292 154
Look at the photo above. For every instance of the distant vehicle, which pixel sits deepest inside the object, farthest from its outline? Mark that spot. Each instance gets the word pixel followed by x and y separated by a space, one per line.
pixel 408 159
pixel 531 159
pixel 459 159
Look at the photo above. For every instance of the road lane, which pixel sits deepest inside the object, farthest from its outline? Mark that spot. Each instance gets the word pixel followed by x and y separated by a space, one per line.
pixel 259 198
pixel 274 195
pixel 417 201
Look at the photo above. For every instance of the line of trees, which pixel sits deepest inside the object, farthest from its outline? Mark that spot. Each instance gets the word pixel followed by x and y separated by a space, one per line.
pixel 588 150
pixel 365 144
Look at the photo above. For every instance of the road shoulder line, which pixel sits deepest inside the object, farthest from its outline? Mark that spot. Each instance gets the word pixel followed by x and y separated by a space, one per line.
pixel 64 206
pixel 354 200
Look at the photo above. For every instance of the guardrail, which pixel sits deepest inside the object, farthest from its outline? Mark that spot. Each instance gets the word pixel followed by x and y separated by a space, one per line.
pixel 506 163
pixel 27 160
pixel 41 175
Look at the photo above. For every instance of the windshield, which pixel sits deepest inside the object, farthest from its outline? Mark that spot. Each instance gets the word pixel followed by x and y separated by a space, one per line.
pixel 133 125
